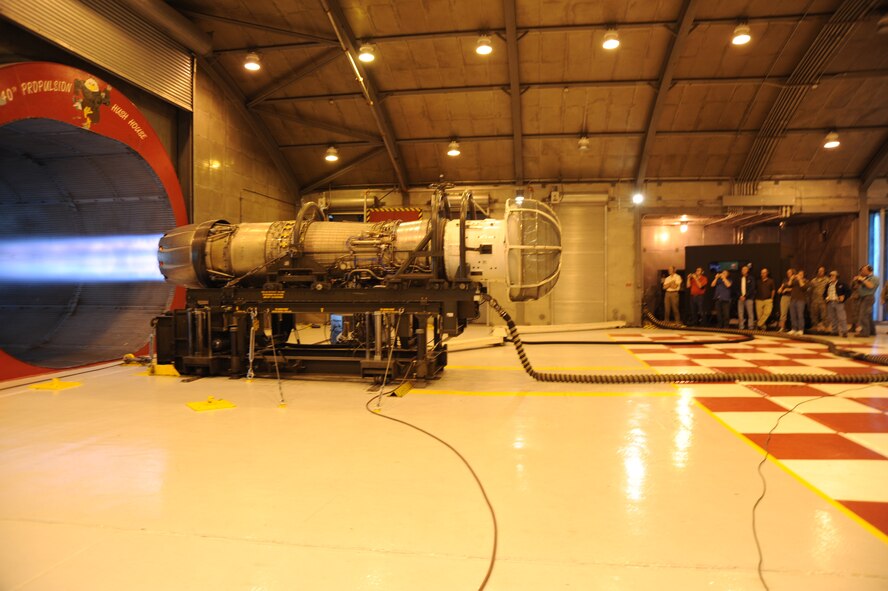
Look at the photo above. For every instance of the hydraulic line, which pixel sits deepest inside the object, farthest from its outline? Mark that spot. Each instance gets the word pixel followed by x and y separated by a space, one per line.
pixel 833 348
pixel 741 339
pixel 654 378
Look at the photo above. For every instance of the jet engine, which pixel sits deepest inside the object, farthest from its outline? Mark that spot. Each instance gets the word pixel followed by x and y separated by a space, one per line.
pixel 394 289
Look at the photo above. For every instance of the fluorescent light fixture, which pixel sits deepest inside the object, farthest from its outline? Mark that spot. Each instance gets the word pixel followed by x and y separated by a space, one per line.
pixel 831 141
pixel 583 143
pixel 741 35
pixel 332 154
pixel 611 39
pixel 484 47
pixel 367 53
pixel 251 62
pixel 638 198
pixel 453 148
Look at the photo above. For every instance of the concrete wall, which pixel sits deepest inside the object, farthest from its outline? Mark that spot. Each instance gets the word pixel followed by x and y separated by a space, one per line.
pixel 234 179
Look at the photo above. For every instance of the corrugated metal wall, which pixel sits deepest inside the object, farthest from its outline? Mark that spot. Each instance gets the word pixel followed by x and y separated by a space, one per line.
pixel 105 33
pixel 581 292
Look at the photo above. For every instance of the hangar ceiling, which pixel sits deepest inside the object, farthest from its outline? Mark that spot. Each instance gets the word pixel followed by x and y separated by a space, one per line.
pixel 676 101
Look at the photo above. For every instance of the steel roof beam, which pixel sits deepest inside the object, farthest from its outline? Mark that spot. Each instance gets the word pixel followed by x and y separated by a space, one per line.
pixel 312 64
pixel 684 24
pixel 599 26
pixel 331 127
pixel 349 44
pixel 270 47
pixel 314 39
pixel 344 169
pixel 423 183
pixel 514 88
pixel 875 167
pixel 375 141
pixel 776 80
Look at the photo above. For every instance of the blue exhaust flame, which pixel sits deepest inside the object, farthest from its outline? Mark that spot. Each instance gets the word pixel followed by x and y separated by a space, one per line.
pixel 88 259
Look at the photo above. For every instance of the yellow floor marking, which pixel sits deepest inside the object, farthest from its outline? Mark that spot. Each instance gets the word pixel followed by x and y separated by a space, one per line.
pixel 210 403
pixel 550 367
pixel 554 393
pixel 55 385
pixel 840 507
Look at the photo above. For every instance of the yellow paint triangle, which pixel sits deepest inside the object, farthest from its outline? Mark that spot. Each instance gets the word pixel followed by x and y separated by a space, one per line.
pixel 55 385
pixel 403 389
pixel 210 404
pixel 162 369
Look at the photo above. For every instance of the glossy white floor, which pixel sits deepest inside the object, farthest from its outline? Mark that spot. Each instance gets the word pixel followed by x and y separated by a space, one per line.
pixel 117 484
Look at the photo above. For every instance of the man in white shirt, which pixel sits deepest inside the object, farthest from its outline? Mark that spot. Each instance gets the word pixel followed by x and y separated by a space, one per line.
pixel 745 305
pixel 671 285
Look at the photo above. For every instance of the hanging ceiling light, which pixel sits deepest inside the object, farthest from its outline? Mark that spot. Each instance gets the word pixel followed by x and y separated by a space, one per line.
pixel 831 141
pixel 453 148
pixel 251 62
pixel 332 154
pixel 611 39
pixel 637 198
pixel 583 143
pixel 741 34
pixel 367 53
pixel 484 47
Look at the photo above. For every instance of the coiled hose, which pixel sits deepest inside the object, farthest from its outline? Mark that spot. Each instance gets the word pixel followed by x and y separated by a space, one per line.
pixel 655 378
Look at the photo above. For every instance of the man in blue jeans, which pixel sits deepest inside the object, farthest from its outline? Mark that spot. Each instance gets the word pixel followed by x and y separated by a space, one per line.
pixel 869 283
pixel 722 298
pixel 745 297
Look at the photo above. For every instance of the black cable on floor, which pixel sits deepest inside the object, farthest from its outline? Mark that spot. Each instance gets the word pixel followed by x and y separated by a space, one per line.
pixel 741 339
pixel 468 466
pixel 761 497
pixel 806 338
pixel 690 378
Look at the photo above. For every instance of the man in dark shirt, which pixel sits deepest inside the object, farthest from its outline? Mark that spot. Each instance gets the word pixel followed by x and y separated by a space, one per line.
pixel 797 301
pixel 764 299
pixel 722 298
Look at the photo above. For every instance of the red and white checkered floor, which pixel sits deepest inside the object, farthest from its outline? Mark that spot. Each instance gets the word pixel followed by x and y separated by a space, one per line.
pixel 834 437
pixel 763 355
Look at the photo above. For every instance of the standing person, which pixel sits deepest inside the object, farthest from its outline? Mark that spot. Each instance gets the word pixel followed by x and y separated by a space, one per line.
pixel 797 300
pixel 869 283
pixel 785 291
pixel 817 306
pixel 852 302
pixel 697 284
pixel 764 299
pixel 722 298
pixel 746 289
pixel 671 284
pixel 834 295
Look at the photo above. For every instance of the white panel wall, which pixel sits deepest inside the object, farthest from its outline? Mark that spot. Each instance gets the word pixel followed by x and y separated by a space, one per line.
pixel 581 292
